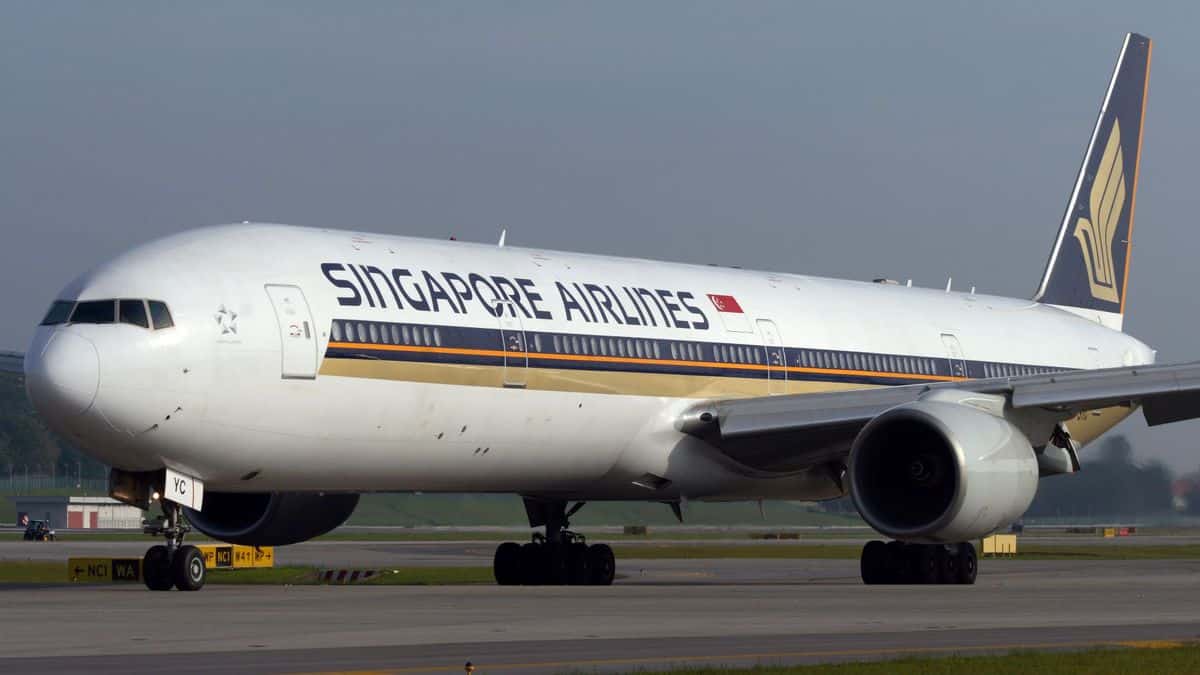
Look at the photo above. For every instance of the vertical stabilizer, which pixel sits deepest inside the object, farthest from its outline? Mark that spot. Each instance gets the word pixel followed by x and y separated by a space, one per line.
pixel 1089 266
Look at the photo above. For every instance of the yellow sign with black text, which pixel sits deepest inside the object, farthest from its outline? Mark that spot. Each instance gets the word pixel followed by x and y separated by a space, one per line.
pixel 232 556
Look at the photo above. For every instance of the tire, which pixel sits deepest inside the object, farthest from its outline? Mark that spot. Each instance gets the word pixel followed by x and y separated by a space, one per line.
pixel 156 569
pixel 602 564
pixel 579 565
pixel 558 564
pixel 506 564
pixel 187 569
pixel 899 563
pixel 872 564
pixel 968 564
pixel 929 565
pixel 533 565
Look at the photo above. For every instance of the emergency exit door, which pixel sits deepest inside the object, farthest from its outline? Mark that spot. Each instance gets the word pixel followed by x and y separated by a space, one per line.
pixel 958 363
pixel 512 339
pixel 776 358
pixel 297 334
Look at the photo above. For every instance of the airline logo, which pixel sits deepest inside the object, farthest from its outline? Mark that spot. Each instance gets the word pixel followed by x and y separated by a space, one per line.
pixel 1106 202
pixel 467 293
pixel 725 303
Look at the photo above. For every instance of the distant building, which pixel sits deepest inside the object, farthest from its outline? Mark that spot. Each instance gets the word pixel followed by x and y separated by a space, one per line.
pixel 78 512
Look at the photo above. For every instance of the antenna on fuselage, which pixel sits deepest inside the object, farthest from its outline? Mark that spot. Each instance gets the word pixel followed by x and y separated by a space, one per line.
pixel 503 236
pixel 949 283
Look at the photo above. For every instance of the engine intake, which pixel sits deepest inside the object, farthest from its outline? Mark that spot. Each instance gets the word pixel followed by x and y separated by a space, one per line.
pixel 271 518
pixel 941 471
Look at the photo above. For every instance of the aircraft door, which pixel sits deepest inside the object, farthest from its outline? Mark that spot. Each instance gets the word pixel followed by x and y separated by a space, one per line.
pixel 776 358
pixel 958 363
pixel 297 334
pixel 512 340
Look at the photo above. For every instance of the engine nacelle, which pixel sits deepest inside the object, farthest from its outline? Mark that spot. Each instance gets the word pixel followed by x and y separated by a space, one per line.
pixel 270 518
pixel 941 470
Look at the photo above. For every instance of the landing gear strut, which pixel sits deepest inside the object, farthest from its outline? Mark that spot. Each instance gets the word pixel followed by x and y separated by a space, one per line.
pixel 902 563
pixel 174 564
pixel 559 557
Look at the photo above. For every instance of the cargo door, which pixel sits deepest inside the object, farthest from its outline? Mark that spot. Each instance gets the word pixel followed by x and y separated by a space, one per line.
pixel 297 334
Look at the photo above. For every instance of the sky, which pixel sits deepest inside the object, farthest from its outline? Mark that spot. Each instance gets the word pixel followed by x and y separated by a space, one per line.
pixel 846 139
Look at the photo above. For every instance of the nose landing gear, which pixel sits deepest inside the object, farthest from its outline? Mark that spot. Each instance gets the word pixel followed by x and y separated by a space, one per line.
pixel 559 557
pixel 174 564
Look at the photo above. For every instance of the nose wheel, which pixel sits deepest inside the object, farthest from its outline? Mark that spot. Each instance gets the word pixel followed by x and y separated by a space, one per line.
pixel 559 557
pixel 175 564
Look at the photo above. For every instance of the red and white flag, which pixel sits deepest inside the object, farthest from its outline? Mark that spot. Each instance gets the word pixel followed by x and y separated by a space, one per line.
pixel 725 303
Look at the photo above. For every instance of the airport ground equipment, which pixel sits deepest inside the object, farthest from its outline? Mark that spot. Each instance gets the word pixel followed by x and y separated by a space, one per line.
pixel 1000 545
pixel 39 530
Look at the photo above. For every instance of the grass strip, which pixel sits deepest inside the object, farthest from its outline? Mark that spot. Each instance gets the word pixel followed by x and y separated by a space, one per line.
pixel 1157 657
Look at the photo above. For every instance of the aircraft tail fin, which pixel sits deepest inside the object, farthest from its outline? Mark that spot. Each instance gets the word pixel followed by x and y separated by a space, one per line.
pixel 1089 265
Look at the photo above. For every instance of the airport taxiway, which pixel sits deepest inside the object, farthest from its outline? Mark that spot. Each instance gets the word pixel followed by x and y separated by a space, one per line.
pixel 659 613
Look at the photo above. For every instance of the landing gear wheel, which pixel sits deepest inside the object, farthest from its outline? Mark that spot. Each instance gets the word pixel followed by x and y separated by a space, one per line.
pixel 873 564
pixel 602 564
pixel 156 568
pixel 968 564
pixel 506 564
pixel 900 563
pixel 579 566
pixel 928 565
pixel 187 568
pixel 533 566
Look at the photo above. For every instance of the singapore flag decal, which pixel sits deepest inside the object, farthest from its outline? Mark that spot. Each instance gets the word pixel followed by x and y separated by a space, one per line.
pixel 725 303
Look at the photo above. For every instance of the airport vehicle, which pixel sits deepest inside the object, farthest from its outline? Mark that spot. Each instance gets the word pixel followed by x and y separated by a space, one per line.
pixel 39 530
pixel 259 377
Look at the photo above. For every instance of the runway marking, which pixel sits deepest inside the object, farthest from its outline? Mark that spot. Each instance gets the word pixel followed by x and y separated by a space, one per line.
pixel 1128 644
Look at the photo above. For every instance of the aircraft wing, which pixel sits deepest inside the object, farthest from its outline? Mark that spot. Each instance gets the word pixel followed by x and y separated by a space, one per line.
pixel 793 432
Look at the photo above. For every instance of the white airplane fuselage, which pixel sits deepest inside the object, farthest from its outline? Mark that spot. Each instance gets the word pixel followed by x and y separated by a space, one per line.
pixel 310 359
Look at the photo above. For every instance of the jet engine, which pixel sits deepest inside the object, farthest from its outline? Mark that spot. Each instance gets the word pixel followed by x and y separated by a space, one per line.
pixel 271 518
pixel 942 471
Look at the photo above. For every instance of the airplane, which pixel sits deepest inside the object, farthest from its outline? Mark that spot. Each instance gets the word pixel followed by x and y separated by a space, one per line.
pixel 255 379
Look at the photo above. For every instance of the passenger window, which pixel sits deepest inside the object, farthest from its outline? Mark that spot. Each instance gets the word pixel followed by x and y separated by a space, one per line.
pixel 657 350
pixel 59 312
pixel 373 331
pixel 406 335
pixel 537 342
pixel 557 344
pixel 160 316
pixel 336 331
pixel 133 312
pixel 437 336
pixel 428 336
pixel 395 334
pixel 95 311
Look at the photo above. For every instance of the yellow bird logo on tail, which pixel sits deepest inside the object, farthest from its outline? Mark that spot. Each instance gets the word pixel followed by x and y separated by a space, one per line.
pixel 1095 234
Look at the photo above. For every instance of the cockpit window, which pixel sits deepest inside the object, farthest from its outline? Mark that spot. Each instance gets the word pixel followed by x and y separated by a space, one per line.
pixel 133 312
pixel 160 314
pixel 95 311
pixel 59 312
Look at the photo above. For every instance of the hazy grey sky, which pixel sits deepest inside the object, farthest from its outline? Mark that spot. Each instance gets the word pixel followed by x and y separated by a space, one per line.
pixel 841 139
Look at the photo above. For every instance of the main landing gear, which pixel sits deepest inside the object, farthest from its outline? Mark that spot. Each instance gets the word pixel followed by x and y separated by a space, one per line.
pixel 174 564
pixel 560 557
pixel 901 563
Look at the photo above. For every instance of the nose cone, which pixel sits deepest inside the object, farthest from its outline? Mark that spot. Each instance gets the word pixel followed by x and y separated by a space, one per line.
pixel 63 378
